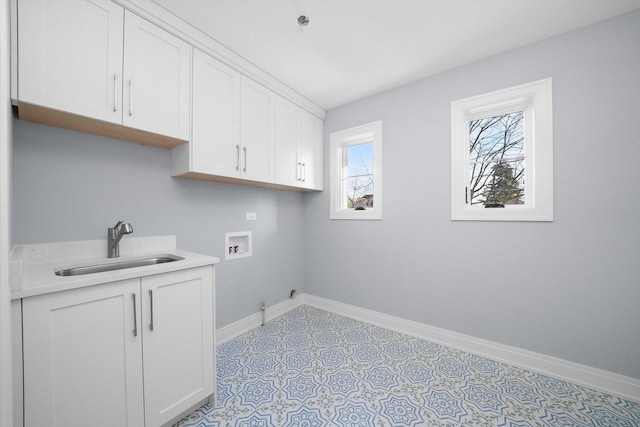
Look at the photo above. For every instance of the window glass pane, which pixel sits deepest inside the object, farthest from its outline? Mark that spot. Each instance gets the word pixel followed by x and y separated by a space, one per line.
pixel 496 160
pixel 359 179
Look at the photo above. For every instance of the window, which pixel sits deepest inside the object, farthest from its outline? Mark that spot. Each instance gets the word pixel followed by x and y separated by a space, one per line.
pixel 356 172
pixel 502 155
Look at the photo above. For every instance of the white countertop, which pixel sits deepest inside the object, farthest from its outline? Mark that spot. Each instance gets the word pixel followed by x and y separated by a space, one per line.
pixel 33 267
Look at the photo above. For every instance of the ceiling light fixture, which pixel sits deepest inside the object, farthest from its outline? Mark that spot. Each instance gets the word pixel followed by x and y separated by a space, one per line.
pixel 303 20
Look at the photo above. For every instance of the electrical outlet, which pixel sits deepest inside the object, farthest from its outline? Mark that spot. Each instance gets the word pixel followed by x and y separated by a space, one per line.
pixel 250 216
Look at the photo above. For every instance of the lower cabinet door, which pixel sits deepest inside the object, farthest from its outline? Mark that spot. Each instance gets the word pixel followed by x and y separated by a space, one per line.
pixel 178 342
pixel 82 357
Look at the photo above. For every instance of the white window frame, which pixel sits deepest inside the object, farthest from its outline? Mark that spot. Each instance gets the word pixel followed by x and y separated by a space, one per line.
pixel 535 99
pixel 338 142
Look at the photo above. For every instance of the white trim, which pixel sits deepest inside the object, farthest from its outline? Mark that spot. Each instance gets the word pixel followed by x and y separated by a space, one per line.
pixel 337 142
pixel 253 321
pixel 536 99
pixel 598 379
pixel 6 366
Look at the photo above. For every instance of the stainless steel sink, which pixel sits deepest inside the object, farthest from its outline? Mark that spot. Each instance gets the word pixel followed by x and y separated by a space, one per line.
pixel 118 265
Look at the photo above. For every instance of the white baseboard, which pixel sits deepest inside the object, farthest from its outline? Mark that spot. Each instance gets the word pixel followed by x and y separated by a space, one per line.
pixel 598 379
pixel 241 326
pixel 608 382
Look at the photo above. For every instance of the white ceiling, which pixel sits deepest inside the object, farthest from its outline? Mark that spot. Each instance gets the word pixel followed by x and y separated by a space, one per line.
pixel 355 48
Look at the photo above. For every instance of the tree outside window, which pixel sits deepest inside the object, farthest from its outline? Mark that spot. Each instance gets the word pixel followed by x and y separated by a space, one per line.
pixel 496 160
pixel 359 179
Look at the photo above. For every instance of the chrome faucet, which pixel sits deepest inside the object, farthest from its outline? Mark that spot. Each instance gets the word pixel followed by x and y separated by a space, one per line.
pixel 114 235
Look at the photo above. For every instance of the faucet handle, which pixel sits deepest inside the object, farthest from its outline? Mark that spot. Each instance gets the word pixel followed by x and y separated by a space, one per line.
pixel 118 224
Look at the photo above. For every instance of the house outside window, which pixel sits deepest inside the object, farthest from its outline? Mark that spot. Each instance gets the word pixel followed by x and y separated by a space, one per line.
pixel 356 172
pixel 502 155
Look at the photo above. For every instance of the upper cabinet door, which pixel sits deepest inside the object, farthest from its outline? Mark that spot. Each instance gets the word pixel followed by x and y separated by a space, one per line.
pixel 215 134
pixel 310 150
pixel 288 167
pixel 157 79
pixel 71 56
pixel 257 134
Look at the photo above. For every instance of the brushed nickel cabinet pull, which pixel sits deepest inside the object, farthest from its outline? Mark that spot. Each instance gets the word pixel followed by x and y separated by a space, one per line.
pixel 115 92
pixel 245 159
pixel 151 304
pixel 237 157
pixel 135 316
pixel 131 97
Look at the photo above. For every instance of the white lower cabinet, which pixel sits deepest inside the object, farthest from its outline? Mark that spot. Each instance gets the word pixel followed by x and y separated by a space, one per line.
pixel 177 325
pixel 137 352
pixel 82 359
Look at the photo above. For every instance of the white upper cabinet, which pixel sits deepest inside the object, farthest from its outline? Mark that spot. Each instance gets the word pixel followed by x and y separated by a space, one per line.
pixel 94 66
pixel 310 131
pixel 257 133
pixel 70 56
pixel 233 121
pixel 298 147
pixel 157 69
pixel 216 120
pixel 245 133
pixel 215 127
pixel 94 60
pixel 288 168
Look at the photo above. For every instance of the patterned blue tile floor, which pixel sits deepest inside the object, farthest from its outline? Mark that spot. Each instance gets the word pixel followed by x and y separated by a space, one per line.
pixel 311 368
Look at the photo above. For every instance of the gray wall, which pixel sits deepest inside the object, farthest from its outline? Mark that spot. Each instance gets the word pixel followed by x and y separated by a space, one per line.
pixel 569 288
pixel 72 186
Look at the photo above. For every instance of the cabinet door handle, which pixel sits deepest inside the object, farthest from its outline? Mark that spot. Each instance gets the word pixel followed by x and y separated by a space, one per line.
pixel 115 92
pixel 237 157
pixel 135 316
pixel 131 97
pixel 299 172
pixel 304 172
pixel 245 159
pixel 151 304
